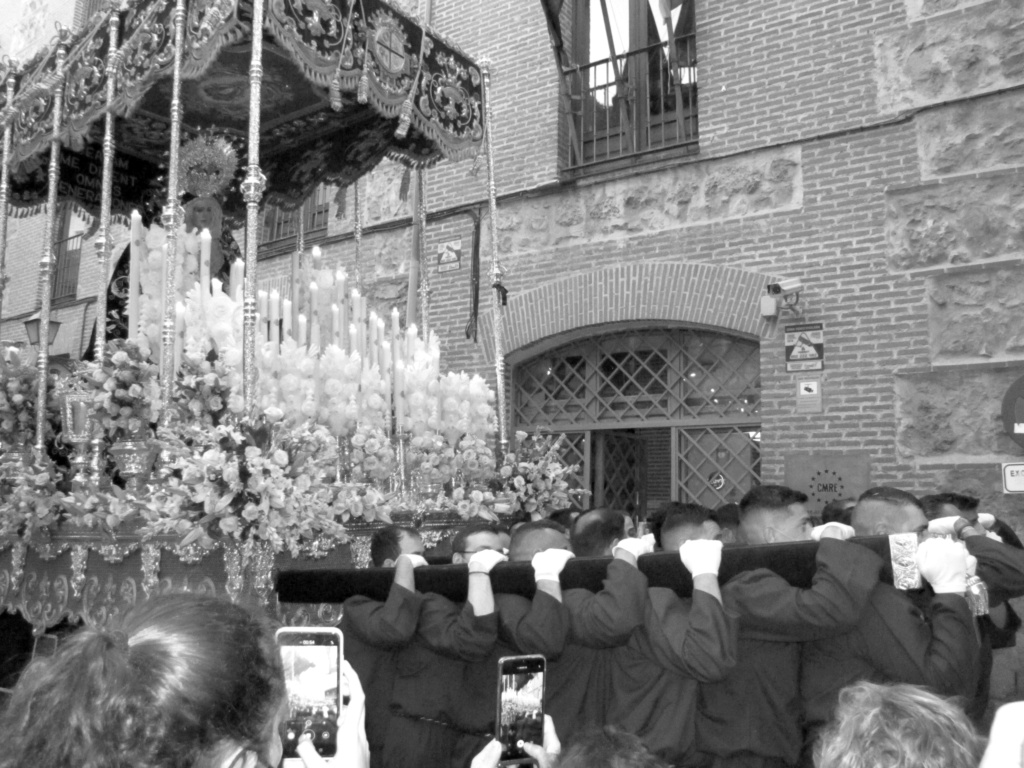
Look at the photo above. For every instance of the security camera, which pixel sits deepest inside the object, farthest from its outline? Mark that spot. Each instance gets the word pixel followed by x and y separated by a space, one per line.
pixel 787 287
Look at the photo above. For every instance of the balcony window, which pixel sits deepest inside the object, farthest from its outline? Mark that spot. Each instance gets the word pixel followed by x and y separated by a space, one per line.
pixel 280 224
pixel 633 89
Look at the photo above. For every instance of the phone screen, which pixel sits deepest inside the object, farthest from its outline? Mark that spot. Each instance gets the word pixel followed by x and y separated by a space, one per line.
pixel 311 661
pixel 520 705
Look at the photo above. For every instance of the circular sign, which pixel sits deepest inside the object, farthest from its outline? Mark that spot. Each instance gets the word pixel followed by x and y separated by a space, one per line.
pixel 1013 412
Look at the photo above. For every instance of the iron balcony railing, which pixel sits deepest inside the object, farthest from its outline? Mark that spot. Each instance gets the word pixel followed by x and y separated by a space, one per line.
pixel 640 102
pixel 68 254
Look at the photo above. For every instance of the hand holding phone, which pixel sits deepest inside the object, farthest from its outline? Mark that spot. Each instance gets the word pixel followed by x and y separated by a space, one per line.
pixel 311 657
pixel 520 708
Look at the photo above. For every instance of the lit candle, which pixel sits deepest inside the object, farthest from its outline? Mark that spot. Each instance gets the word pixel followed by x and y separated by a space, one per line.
pixel 302 330
pixel 314 302
pixel 395 330
pixel 380 344
pixel 335 324
pixel 339 286
pixel 344 342
pixel 204 265
pixel 138 242
pixel 399 388
pixel 317 254
pixel 237 279
pixel 286 319
pixel 275 319
pixel 411 334
pixel 261 304
pixel 385 358
pixel 371 341
pixel 314 336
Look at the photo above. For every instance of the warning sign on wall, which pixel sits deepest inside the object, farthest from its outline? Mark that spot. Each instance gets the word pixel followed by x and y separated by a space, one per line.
pixel 805 347
pixel 449 255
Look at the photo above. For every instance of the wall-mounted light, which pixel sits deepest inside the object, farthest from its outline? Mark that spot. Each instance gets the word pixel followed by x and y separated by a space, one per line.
pixel 32 326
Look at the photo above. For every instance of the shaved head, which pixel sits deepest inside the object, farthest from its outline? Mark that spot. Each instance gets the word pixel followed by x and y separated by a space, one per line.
pixel 531 539
pixel 880 517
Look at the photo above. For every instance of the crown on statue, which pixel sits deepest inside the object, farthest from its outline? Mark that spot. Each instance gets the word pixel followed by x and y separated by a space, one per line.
pixel 206 165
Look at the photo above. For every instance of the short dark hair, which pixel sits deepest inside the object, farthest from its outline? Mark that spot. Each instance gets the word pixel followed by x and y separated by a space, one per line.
pixel 685 515
pixel 657 518
pixel 727 515
pixel 889 495
pixel 385 543
pixel 838 511
pixel 933 504
pixel 594 531
pixel 459 542
pixel 563 517
pixel 770 497
pixel 608 747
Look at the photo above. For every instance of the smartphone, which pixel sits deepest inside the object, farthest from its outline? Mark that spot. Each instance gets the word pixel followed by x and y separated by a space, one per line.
pixel 311 657
pixel 520 715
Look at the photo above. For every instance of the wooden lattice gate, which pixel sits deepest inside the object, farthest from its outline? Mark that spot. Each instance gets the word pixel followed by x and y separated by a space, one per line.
pixel 609 395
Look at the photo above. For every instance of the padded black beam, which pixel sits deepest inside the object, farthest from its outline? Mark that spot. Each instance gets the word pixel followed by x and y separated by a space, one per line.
pixel 794 562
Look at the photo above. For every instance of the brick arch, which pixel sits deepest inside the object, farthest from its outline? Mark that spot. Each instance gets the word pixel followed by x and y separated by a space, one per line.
pixel 699 294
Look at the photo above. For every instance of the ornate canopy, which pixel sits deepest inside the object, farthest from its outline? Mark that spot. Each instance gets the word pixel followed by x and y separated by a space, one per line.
pixel 345 83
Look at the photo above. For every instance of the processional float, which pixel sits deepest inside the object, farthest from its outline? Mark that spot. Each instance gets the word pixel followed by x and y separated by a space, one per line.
pixel 99 118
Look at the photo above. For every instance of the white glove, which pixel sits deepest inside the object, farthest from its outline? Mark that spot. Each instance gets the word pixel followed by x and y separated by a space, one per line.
pixel 484 560
pixel 833 530
pixel 701 556
pixel 549 563
pixel 943 526
pixel 986 519
pixel 972 565
pixel 418 561
pixel 943 564
pixel 636 547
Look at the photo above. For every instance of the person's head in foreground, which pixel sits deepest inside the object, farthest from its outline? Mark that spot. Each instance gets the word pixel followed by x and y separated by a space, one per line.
pixel 390 542
pixel 772 514
pixel 897 726
pixel 884 510
pixel 608 747
pixel 179 681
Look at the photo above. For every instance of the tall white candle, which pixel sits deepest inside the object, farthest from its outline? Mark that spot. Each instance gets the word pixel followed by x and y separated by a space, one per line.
pixel 339 286
pixel 301 340
pixel 138 243
pixel 237 279
pixel 336 324
pixel 399 387
pixel 314 336
pixel 286 319
pixel 204 264
pixel 314 302
pixel 345 342
pixel 275 319
pixel 395 329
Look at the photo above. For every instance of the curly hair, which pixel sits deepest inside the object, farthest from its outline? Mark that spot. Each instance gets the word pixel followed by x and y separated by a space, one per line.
pixel 897 726
pixel 179 679
pixel 608 747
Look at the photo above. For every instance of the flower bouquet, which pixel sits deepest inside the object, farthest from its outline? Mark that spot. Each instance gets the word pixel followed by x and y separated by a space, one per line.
pixel 534 478
pixel 32 500
pixel 127 390
pixel 19 379
pixel 205 392
pixel 255 482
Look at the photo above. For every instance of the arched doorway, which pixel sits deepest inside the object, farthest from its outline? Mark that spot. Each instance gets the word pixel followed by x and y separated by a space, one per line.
pixel 650 414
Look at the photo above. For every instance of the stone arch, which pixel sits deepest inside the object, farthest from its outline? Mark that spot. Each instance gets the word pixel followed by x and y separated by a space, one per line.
pixel 696 294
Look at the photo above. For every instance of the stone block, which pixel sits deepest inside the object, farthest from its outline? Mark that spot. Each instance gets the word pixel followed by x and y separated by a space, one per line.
pixel 978 314
pixel 974 136
pixel 941 58
pixel 952 413
pixel 690 194
pixel 970 221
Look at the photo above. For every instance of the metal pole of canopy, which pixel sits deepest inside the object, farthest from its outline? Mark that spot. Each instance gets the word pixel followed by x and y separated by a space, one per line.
pixel 498 297
pixel 252 192
pixel 172 218
pixel 103 244
pixel 7 117
pixel 46 263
